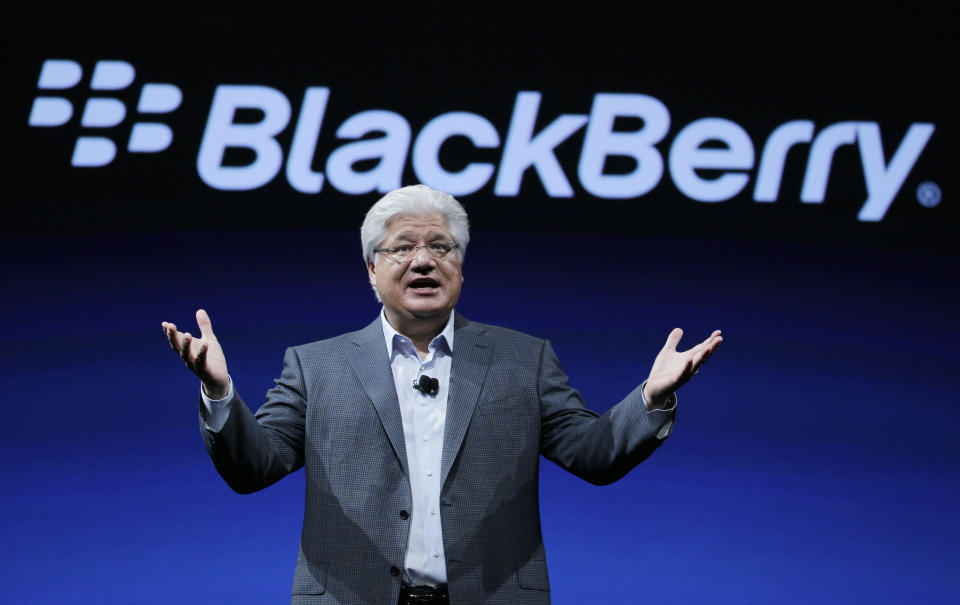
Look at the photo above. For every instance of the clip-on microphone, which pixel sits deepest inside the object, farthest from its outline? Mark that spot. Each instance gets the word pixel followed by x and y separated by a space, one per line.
pixel 427 386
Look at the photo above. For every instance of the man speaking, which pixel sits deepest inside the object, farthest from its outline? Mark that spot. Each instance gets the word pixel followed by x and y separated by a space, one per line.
pixel 421 433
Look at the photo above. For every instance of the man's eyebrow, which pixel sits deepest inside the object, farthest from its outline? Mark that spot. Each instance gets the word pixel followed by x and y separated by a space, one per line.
pixel 431 236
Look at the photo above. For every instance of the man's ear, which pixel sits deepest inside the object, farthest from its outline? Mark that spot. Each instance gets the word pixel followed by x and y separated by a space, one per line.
pixel 372 272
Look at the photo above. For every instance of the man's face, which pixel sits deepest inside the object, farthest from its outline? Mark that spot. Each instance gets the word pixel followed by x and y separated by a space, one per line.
pixel 422 287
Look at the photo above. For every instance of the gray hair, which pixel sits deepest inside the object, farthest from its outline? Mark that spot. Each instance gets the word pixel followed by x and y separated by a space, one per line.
pixel 413 201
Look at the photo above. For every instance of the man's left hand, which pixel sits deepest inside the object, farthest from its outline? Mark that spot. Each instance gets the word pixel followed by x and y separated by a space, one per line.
pixel 672 368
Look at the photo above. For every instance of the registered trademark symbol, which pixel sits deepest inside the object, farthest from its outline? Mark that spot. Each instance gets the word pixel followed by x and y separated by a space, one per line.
pixel 928 194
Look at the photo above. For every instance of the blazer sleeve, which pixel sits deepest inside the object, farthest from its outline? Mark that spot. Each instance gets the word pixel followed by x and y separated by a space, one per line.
pixel 598 448
pixel 253 451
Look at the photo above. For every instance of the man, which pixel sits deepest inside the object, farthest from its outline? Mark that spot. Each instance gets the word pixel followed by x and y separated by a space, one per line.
pixel 421 433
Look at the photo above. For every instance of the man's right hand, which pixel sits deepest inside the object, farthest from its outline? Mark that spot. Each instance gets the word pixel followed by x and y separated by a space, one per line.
pixel 204 357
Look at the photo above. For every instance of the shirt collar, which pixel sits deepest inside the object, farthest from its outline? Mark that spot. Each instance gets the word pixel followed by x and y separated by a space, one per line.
pixel 445 337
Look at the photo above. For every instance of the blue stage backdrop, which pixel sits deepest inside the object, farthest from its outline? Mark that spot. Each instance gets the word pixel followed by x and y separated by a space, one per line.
pixel 785 178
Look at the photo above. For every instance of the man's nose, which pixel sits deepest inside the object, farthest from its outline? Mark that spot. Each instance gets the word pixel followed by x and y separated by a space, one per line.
pixel 422 261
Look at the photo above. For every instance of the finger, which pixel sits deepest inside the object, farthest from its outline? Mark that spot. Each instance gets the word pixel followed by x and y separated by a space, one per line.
pixel 697 348
pixel 203 320
pixel 173 336
pixel 185 349
pixel 673 340
pixel 201 362
pixel 710 343
pixel 710 339
pixel 714 343
pixel 698 360
pixel 702 356
pixel 689 369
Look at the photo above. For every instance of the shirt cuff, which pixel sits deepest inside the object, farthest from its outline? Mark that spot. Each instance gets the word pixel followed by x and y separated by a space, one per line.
pixel 217 410
pixel 660 419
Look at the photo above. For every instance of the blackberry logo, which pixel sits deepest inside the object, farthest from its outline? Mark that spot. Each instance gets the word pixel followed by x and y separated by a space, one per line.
pixel 709 160
pixel 103 111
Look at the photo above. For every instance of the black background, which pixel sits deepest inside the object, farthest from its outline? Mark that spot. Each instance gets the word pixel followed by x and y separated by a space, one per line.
pixel 758 69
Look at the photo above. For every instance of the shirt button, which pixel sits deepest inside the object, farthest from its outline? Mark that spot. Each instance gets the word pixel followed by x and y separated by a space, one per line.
pixel 429 473
pixel 404 514
pixel 424 437
pixel 433 511
pixel 436 554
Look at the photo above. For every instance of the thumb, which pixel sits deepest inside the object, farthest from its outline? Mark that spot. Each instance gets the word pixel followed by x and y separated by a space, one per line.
pixel 203 321
pixel 673 340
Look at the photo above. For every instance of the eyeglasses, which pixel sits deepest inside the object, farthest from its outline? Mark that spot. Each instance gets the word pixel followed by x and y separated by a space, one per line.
pixel 404 252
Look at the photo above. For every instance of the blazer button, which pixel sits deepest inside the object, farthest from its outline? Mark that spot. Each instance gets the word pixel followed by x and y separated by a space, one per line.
pixel 394 571
pixel 404 515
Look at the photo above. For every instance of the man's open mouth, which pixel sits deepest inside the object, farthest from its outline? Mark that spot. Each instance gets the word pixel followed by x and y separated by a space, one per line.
pixel 423 283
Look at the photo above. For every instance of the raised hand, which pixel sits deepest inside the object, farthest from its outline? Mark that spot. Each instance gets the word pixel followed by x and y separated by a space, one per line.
pixel 203 357
pixel 672 368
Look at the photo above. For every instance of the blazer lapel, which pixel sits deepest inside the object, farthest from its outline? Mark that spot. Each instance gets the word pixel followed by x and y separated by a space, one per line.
pixel 372 366
pixel 471 356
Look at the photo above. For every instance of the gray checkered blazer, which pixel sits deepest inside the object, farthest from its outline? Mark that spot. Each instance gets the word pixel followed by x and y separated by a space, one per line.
pixel 335 411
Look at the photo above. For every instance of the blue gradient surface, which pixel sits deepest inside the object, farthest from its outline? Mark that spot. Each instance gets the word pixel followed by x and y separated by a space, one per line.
pixel 815 457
